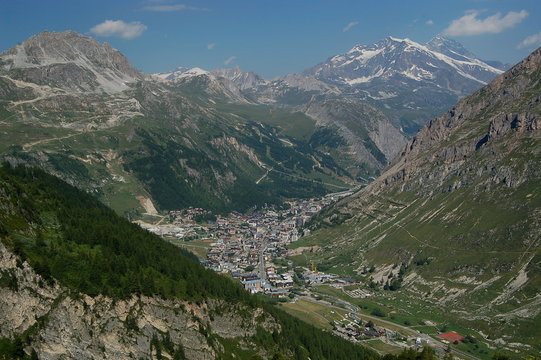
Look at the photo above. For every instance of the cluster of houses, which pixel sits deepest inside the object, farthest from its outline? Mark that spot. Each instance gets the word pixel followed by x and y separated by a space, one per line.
pixel 284 280
pixel 242 244
pixel 275 288
pixel 241 241
pixel 359 330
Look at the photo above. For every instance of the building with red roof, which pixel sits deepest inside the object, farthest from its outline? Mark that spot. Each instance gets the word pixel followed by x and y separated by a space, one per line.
pixel 451 336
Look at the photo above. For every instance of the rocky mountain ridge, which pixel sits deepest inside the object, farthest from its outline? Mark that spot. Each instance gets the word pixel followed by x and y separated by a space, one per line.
pixel 408 81
pixel 244 80
pixel 72 61
pixel 401 75
pixel 507 105
pixel 372 140
pixel 287 90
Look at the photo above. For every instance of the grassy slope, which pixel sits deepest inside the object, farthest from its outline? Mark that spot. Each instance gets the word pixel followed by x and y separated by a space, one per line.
pixel 463 234
pixel 171 153
pixel 439 230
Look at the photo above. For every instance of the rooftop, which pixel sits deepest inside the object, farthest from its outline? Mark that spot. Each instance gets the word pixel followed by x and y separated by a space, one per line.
pixel 451 336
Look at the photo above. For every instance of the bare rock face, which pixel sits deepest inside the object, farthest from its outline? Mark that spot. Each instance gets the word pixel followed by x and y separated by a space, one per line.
pixel 214 86
pixel 24 300
pixel 70 61
pixel 287 90
pixel 65 325
pixel 244 80
pixel 372 137
pixel 491 121
pixel 306 83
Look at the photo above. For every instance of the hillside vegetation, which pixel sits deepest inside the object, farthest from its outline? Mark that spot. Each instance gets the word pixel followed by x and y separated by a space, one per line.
pixel 451 232
pixel 73 241
pixel 79 110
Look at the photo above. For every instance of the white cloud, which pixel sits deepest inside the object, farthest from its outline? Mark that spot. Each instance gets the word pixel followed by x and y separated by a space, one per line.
pixel 534 40
pixel 172 7
pixel 119 28
pixel 430 22
pixel 469 24
pixel 211 46
pixel 350 25
pixel 230 60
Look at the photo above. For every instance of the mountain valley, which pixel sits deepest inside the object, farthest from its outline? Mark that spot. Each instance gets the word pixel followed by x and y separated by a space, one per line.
pixel 81 111
pixel 388 196
pixel 451 229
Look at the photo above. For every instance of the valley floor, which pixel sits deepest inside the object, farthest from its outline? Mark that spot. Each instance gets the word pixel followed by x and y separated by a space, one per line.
pixel 254 249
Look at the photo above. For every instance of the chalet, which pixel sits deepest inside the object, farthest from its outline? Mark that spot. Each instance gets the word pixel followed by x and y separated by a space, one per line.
pixel 373 332
pixel 248 277
pixel 254 286
pixel 348 332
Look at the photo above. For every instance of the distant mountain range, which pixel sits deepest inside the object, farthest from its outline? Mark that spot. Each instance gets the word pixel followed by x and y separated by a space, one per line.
pixel 80 110
pixel 408 81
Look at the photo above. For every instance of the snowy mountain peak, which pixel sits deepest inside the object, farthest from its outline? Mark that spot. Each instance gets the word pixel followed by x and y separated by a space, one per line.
pixel 404 58
pixel 399 40
pixel 450 47
pixel 182 72
pixel 404 73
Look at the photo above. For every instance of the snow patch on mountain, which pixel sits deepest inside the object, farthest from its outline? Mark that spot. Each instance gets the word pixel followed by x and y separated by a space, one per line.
pixel 365 79
pixel 404 57
pixel 182 72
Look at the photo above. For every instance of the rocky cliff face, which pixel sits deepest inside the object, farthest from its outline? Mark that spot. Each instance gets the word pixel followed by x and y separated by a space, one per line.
pixel 244 80
pixel 367 130
pixel 70 61
pixel 493 121
pixel 67 325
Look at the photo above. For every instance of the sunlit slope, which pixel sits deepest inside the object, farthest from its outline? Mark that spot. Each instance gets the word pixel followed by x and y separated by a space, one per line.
pixel 455 223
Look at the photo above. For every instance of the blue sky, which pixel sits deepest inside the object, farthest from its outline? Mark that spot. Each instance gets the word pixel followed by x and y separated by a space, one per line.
pixel 273 37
